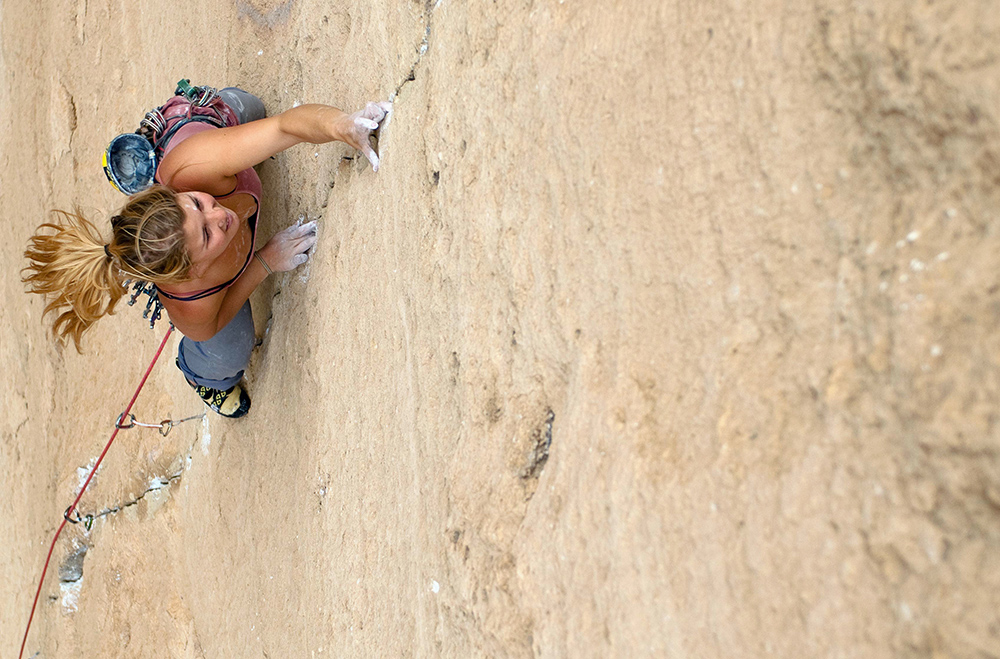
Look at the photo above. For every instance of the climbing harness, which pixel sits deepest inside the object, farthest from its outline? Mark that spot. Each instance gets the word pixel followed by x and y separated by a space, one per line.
pixel 125 421
pixel 131 159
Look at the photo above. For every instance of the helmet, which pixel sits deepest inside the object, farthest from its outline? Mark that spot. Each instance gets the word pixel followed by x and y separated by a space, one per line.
pixel 130 163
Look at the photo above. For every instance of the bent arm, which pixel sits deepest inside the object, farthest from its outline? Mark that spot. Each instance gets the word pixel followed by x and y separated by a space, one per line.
pixel 200 320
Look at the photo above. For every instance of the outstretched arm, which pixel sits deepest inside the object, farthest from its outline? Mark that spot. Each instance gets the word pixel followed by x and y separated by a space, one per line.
pixel 209 161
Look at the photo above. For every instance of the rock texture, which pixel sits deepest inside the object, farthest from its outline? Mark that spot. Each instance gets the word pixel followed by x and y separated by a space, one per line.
pixel 666 329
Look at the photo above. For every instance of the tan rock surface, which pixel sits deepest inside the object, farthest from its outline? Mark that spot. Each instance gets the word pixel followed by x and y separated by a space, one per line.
pixel 666 329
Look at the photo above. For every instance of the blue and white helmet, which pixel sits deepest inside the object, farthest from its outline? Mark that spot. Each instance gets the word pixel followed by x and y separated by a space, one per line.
pixel 130 163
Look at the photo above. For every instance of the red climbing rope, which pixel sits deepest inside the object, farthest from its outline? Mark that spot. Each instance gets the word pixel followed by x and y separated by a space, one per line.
pixel 66 518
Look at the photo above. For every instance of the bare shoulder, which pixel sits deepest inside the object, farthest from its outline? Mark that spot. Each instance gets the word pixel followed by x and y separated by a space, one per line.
pixel 196 319
pixel 185 169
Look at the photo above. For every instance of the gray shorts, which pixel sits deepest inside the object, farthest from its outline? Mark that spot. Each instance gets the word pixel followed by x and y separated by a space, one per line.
pixel 219 362
pixel 246 106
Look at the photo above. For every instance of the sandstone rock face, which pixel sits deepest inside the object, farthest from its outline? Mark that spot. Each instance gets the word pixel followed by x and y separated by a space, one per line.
pixel 665 329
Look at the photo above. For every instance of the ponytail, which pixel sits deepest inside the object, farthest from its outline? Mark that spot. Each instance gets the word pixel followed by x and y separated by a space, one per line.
pixel 83 278
pixel 68 264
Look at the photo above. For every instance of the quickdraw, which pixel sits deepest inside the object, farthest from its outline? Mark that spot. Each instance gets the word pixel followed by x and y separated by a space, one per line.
pixel 163 426
pixel 154 308
pixel 156 125
pixel 72 507
pixel 88 521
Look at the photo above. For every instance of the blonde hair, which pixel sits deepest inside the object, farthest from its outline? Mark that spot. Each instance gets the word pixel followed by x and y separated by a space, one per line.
pixel 82 278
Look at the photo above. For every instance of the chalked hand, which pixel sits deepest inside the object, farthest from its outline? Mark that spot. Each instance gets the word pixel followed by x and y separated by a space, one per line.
pixel 288 248
pixel 361 126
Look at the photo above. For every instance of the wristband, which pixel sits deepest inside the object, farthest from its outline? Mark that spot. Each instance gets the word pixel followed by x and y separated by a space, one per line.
pixel 263 263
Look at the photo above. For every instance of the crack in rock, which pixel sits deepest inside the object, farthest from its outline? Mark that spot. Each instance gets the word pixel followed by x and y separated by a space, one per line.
pixel 421 50
pixel 71 568
pixel 412 75
pixel 154 485
pixel 540 451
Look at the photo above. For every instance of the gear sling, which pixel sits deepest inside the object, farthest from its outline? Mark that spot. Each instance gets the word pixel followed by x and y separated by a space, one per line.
pixel 131 159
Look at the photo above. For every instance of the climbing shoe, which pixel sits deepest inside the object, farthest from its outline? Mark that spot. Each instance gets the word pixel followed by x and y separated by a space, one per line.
pixel 233 402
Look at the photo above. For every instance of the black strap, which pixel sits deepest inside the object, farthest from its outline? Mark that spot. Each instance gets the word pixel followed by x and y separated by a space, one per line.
pixel 215 289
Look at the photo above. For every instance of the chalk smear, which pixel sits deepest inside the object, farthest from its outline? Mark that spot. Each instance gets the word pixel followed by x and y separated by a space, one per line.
pixel 70 594
pixel 206 436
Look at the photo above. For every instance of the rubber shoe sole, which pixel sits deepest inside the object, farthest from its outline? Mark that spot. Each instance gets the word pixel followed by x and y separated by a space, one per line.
pixel 232 403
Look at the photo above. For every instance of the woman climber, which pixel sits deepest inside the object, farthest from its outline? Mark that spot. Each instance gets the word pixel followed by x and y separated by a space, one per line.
pixel 193 236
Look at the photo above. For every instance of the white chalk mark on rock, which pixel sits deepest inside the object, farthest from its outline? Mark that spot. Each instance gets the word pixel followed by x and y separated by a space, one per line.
pixel 206 436
pixel 82 473
pixel 70 591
